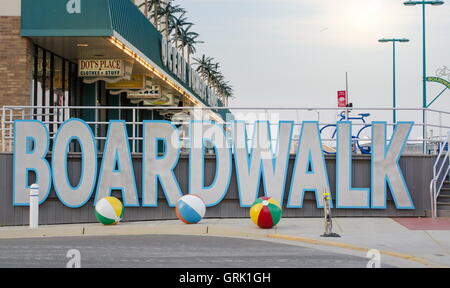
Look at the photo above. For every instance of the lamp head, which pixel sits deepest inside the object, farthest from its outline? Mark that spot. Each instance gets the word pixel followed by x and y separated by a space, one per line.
pixel 410 3
pixel 413 3
pixel 437 3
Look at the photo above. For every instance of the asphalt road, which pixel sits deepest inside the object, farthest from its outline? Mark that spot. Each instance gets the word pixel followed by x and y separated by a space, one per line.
pixel 161 251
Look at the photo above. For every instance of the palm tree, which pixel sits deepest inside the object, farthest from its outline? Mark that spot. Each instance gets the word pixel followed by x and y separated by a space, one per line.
pixel 189 40
pixel 209 71
pixel 165 9
pixel 226 92
pixel 221 87
pixel 205 67
pixel 144 5
pixel 168 12
pixel 152 7
pixel 216 77
pixel 157 9
pixel 177 27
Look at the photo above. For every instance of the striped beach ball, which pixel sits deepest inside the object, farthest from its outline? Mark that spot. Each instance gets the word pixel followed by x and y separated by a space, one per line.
pixel 190 209
pixel 265 212
pixel 109 211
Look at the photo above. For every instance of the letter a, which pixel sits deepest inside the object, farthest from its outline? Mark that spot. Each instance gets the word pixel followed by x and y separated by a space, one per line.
pixel 74 7
pixel 309 155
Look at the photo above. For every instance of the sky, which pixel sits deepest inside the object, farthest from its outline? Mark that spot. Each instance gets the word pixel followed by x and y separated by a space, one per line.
pixel 295 53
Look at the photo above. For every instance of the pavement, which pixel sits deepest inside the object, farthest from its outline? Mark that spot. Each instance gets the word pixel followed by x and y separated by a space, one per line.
pixel 165 251
pixel 398 244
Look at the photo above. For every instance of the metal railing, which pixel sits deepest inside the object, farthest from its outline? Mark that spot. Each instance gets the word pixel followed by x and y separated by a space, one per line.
pixel 436 121
pixel 441 171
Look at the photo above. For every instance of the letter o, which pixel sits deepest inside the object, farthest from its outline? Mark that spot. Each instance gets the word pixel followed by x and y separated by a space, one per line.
pixel 74 129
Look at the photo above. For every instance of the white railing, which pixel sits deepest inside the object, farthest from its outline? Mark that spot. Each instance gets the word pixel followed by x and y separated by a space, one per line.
pixel 425 138
pixel 441 171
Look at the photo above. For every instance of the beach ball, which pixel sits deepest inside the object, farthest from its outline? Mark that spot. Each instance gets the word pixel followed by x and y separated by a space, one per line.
pixel 265 212
pixel 190 209
pixel 109 211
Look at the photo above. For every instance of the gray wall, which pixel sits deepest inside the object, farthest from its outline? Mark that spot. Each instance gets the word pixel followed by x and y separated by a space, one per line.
pixel 417 172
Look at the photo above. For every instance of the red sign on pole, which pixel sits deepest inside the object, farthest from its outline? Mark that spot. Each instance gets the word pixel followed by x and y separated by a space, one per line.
pixel 342 99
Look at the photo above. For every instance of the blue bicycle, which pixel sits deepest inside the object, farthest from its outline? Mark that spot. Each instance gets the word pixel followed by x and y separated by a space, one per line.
pixel 329 132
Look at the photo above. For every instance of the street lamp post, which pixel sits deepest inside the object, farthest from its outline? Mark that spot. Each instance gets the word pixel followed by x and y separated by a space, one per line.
pixel 394 97
pixel 424 99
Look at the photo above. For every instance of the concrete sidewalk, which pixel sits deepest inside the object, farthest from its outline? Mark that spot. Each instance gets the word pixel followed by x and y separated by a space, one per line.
pixel 398 245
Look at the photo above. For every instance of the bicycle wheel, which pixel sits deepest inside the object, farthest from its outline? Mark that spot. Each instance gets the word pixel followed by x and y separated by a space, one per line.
pixel 365 146
pixel 328 132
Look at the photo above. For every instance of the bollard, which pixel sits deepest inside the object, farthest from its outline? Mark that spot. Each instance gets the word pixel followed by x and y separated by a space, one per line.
pixel 34 206
pixel 327 216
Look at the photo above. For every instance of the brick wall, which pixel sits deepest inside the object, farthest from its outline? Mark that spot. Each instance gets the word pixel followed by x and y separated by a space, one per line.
pixel 15 59
pixel 15 68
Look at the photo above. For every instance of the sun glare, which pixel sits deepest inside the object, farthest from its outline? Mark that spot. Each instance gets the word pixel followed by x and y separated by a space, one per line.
pixel 360 22
pixel 366 15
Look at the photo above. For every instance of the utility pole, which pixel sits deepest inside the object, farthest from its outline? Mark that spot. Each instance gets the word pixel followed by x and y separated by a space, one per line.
pixel 348 98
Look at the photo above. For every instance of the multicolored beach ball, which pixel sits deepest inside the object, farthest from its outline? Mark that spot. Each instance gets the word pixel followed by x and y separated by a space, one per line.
pixel 265 212
pixel 109 211
pixel 190 209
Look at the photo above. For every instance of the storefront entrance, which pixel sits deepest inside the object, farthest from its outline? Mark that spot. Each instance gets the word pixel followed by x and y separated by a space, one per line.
pixel 55 84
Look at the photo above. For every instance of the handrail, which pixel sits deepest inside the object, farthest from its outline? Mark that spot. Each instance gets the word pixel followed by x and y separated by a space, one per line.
pixel 9 114
pixel 274 108
pixel 435 189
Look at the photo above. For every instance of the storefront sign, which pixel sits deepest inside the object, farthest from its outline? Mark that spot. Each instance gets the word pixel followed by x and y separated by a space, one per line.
pixel 32 140
pixel 342 99
pixel 164 100
pixel 136 82
pixel 158 100
pixel 151 93
pixel 101 68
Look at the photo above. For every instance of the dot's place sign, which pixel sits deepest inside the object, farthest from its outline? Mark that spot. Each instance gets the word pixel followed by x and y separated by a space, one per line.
pixel 252 164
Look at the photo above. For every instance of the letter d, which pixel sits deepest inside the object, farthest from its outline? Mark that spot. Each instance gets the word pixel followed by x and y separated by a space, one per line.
pixel 31 142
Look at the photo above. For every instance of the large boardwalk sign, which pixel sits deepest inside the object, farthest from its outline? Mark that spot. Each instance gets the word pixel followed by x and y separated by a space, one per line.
pixel 253 163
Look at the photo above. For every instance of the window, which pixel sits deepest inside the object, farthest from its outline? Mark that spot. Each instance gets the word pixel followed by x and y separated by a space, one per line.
pixel 53 85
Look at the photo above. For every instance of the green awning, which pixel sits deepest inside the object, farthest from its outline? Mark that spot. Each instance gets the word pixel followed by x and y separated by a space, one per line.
pixel 93 18
pixel 53 18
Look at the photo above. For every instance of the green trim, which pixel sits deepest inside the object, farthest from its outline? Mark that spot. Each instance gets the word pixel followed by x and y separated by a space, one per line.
pixel 65 33
pixel 439 80
pixel 51 18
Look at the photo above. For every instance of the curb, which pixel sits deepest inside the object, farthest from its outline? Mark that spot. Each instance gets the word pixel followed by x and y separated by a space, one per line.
pixel 15 233
pixel 356 248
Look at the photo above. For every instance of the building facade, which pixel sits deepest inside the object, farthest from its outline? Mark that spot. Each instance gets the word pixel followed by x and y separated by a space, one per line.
pixel 100 53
